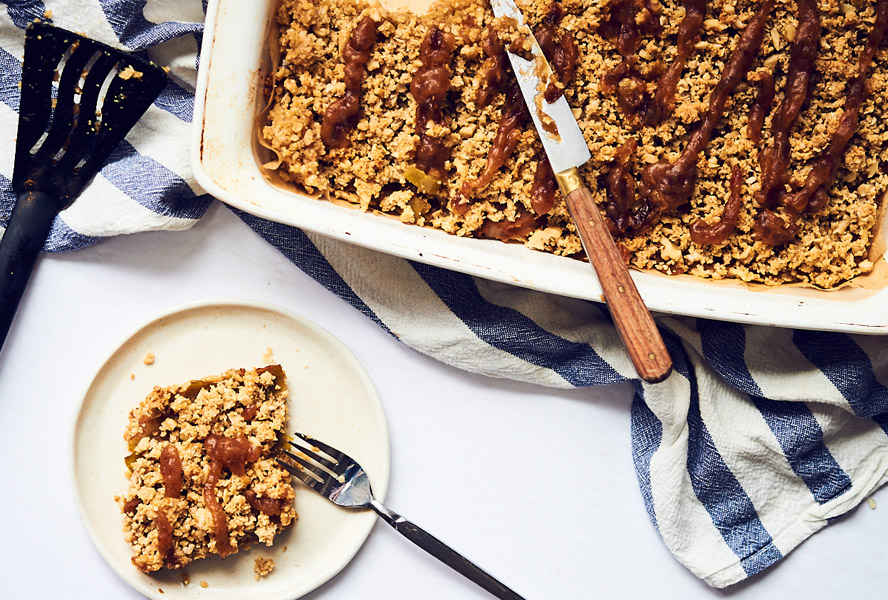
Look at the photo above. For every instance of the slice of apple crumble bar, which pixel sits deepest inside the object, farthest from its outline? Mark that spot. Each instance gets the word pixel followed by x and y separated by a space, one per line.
pixel 202 475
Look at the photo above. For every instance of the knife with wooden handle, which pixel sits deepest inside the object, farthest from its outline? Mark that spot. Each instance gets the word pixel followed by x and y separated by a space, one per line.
pixel 566 149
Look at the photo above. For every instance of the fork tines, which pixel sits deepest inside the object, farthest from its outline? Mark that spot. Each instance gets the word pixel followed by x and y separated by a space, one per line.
pixel 317 464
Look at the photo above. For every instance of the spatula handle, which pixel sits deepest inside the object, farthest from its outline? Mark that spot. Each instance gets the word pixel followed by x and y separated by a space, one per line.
pixel 634 323
pixel 21 243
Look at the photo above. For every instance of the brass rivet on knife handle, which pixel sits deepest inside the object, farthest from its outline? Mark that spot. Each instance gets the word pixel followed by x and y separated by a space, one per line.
pixel 634 323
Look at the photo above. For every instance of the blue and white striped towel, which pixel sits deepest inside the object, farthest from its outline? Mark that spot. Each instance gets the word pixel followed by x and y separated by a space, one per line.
pixel 759 438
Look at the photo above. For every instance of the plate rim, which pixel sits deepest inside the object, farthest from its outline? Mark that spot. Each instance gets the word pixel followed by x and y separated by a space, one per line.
pixel 382 479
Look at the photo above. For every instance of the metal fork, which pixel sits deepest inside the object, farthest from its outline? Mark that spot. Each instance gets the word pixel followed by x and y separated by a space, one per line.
pixel 340 479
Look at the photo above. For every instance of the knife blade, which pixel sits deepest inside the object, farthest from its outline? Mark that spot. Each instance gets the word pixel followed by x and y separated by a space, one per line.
pixel 566 148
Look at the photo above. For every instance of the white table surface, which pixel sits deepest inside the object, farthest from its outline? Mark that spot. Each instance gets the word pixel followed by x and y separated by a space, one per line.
pixel 539 488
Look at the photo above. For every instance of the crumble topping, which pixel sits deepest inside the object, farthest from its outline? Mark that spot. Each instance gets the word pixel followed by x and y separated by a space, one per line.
pixel 203 479
pixel 629 121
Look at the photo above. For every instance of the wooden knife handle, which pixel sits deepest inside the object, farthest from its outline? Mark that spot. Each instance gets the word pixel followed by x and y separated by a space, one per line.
pixel 634 323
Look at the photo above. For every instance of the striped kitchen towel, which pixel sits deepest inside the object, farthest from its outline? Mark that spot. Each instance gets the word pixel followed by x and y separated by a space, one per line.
pixel 759 438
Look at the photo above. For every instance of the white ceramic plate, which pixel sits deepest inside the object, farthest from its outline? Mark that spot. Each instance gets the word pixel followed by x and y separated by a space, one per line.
pixel 225 163
pixel 331 398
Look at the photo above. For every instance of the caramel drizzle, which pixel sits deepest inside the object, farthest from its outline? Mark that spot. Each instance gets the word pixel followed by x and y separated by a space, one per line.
pixel 560 50
pixel 429 88
pixel 513 116
pixel 812 196
pixel 630 213
pixel 342 116
pixel 671 184
pixel 233 454
pixel 668 185
pixel 130 505
pixel 250 411
pixel 774 159
pixel 171 471
pixel 663 102
pixel 544 186
pixel 760 107
pixel 508 133
pixel 493 69
pixel 627 23
pixel 718 232
pixel 164 537
pixel 506 230
pixel 620 187
pixel 268 506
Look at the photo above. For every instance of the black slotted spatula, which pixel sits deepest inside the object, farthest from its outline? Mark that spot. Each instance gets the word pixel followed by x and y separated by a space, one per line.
pixel 79 99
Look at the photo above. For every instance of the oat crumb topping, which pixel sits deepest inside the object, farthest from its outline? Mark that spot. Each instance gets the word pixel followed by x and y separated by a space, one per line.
pixel 376 170
pixel 202 474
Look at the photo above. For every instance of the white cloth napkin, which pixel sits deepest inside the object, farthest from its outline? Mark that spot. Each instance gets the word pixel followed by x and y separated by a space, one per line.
pixel 758 440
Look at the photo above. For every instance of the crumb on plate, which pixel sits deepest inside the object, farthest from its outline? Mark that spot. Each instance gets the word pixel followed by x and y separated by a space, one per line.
pixel 262 567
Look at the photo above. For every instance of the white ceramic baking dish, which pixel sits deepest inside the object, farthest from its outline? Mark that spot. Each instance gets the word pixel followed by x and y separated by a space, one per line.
pixel 226 163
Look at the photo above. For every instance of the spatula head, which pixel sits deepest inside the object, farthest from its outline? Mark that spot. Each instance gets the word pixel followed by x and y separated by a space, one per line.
pixel 79 99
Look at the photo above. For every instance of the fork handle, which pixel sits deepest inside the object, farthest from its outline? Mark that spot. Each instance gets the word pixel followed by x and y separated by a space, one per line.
pixel 444 553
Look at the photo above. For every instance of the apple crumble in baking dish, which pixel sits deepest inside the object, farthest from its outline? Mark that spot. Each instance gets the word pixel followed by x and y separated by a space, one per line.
pixel 730 139
pixel 203 479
